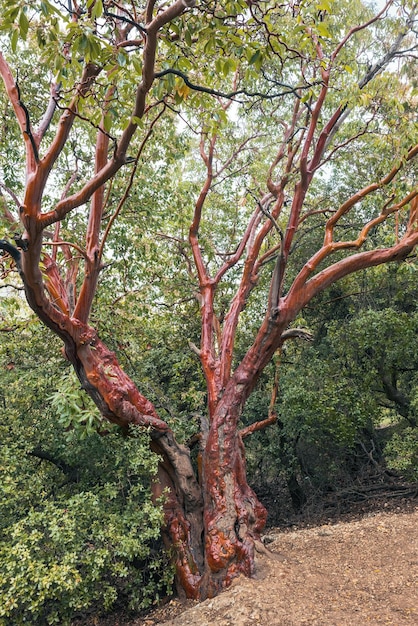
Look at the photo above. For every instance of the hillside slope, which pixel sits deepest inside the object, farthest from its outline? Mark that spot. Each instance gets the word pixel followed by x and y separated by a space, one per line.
pixel 344 574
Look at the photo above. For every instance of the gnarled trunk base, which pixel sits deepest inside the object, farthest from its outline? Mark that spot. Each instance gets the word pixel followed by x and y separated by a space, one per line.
pixel 209 549
pixel 182 532
pixel 234 517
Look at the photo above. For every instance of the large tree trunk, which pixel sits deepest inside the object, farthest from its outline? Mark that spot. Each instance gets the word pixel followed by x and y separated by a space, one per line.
pixel 210 529
pixel 234 517
pixel 122 403
pixel 211 539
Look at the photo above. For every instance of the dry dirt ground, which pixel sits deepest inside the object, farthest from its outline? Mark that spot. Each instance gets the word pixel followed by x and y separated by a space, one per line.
pixel 345 573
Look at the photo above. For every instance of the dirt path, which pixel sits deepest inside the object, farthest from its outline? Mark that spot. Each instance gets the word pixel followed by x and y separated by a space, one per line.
pixel 345 574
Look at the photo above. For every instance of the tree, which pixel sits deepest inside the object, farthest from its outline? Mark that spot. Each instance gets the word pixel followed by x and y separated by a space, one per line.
pixel 287 101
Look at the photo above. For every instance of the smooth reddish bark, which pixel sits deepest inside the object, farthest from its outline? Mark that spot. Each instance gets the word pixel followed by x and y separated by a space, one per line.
pixel 213 520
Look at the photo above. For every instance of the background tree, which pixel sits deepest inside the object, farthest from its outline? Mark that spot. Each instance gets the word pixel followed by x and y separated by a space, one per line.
pixel 346 407
pixel 280 102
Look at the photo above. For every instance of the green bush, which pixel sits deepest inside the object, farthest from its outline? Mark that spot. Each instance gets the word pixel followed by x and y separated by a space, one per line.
pixel 401 453
pixel 84 552
pixel 80 542
pixel 78 530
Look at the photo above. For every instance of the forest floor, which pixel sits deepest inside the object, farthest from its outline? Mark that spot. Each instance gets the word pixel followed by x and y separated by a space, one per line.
pixel 357 569
pixel 346 573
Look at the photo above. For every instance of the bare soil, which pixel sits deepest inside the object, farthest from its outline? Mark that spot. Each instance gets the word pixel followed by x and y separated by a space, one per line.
pixel 347 572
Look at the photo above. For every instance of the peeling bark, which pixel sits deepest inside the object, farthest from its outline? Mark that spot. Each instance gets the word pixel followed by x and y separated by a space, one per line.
pixel 212 522
pixel 233 517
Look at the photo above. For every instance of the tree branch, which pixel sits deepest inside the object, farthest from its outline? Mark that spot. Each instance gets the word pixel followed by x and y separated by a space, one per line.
pixel 233 94
pixel 71 472
pixel 297 333
pixel 92 259
pixel 351 264
pixel 48 115
pixel 197 216
pixel 90 72
pixel 67 244
pixel 27 130
pixel 130 183
pixel 360 195
pixel 14 97
pixel 261 425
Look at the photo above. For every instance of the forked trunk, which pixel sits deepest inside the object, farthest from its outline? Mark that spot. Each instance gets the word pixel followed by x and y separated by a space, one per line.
pixel 211 527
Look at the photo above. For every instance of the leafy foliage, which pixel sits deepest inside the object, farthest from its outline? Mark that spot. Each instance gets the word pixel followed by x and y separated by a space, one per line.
pixel 59 561
pixel 350 393
pixel 78 527
pixel 402 453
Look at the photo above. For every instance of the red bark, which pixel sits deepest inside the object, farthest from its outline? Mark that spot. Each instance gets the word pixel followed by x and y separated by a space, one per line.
pixel 233 515
pixel 213 521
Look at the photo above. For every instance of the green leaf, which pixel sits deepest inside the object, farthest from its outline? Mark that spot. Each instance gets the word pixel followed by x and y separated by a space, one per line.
pixel 322 29
pixel 45 8
pixel 254 57
pixel 121 59
pixel 209 45
pixel 229 66
pixel 107 122
pixel 23 24
pixel 307 95
pixel 184 64
pixel 325 5
pixel 137 65
pixel 188 37
pixel 14 39
pixel 11 14
pixel 97 10
pixel 82 43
